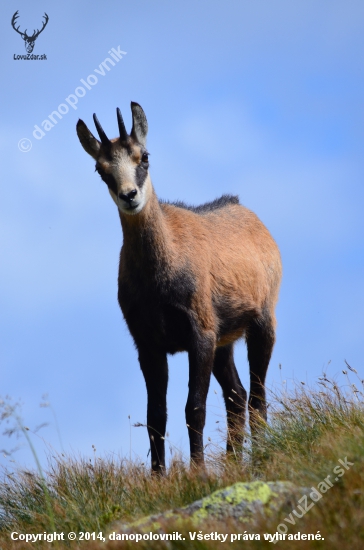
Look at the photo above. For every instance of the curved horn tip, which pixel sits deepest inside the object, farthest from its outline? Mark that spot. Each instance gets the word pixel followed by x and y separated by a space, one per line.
pixel 104 139
pixel 122 130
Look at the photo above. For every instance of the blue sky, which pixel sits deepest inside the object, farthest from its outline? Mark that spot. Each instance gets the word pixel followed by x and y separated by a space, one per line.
pixel 260 99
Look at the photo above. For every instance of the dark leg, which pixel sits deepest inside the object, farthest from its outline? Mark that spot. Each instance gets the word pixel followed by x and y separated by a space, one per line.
pixel 260 342
pixel 234 395
pixel 155 369
pixel 200 362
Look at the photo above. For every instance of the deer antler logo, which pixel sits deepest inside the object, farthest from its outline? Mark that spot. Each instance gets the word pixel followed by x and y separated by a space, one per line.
pixel 29 41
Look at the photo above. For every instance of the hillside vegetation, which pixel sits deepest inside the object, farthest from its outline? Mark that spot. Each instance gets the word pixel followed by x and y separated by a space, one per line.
pixel 312 433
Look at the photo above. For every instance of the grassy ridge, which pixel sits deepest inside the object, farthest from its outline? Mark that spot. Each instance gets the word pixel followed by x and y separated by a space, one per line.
pixel 309 431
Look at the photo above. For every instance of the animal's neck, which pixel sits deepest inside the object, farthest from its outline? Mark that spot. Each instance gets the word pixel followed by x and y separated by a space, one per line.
pixel 146 235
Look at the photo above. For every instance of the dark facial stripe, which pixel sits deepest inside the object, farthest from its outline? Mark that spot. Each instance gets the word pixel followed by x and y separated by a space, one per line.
pixel 141 173
pixel 111 183
pixel 108 179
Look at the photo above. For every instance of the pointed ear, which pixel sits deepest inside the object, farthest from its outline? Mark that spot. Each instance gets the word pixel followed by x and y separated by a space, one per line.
pixel 140 125
pixel 88 141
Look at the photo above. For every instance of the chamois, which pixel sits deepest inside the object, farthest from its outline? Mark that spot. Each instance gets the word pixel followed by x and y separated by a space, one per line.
pixel 192 279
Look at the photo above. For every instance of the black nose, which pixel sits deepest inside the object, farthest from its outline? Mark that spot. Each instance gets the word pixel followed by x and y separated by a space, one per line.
pixel 128 197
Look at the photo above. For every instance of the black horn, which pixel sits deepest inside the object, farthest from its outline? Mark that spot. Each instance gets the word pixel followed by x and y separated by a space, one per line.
pixel 122 130
pixel 104 139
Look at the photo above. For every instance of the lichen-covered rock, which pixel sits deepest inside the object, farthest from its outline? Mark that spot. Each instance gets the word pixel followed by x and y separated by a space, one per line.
pixel 241 501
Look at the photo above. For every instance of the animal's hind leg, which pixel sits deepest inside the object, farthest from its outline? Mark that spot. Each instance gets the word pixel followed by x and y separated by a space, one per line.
pixel 234 396
pixel 260 341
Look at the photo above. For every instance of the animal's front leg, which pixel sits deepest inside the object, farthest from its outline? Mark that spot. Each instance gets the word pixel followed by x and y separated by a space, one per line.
pixel 155 369
pixel 201 358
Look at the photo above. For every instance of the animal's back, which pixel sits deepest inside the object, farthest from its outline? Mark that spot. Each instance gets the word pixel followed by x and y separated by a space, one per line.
pixel 205 208
pixel 229 242
pixel 236 263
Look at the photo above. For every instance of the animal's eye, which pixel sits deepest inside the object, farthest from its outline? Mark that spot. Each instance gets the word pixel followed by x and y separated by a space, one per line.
pixel 145 157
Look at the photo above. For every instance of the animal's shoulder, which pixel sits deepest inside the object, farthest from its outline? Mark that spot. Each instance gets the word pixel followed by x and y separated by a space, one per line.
pixel 212 206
